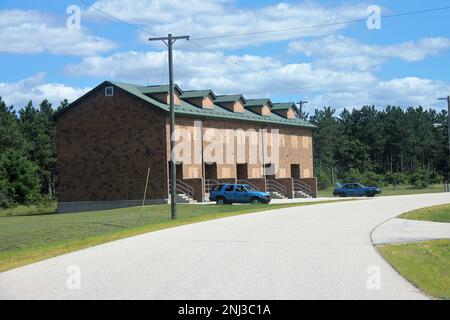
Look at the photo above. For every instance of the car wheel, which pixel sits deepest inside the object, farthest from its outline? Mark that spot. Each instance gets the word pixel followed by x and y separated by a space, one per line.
pixel 370 194
pixel 343 195
pixel 255 201
pixel 220 201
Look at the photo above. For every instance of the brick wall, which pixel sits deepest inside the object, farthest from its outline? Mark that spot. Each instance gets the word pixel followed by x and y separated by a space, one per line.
pixel 104 147
pixel 106 144
pixel 295 147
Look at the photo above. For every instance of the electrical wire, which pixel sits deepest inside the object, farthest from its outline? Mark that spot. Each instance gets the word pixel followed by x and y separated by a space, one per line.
pixel 292 86
pixel 116 19
pixel 321 25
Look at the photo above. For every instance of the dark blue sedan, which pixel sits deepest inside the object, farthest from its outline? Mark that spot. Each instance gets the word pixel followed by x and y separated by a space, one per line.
pixel 356 190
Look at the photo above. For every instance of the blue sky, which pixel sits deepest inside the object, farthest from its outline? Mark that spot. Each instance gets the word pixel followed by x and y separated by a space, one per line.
pixel 404 63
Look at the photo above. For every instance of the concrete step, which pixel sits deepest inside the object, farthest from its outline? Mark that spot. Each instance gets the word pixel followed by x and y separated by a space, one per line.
pixel 301 194
pixel 277 195
pixel 183 198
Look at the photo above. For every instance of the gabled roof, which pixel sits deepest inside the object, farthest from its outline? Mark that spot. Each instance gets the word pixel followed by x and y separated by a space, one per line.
pixel 189 110
pixel 159 89
pixel 197 94
pixel 284 106
pixel 230 98
pixel 258 103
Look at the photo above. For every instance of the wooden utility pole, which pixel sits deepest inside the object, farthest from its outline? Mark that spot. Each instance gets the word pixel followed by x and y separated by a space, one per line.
pixel 300 108
pixel 448 116
pixel 169 41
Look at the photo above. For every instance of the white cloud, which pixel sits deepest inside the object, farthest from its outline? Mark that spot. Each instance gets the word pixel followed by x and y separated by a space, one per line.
pixel 154 11
pixel 37 89
pixel 31 32
pixel 214 17
pixel 259 76
pixel 404 92
pixel 224 74
pixel 344 53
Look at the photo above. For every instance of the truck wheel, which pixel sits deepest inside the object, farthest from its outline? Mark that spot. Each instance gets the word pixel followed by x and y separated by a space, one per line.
pixel 220 201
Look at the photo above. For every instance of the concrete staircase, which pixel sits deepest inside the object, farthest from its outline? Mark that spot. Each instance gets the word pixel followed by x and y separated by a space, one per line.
pixel 185 193
pixel 277 195
pixel 184 198
pixel 276 190
pixel 302 190
pixel 301 194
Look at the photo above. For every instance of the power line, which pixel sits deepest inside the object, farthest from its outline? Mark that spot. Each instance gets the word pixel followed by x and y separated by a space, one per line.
pixel 292 86
pixel 273 30
pixel 321 25
pixel 116 19
pixel 262 32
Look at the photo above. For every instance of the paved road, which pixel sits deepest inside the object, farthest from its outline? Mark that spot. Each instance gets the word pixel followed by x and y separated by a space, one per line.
pixel 404 231
pixel 313 252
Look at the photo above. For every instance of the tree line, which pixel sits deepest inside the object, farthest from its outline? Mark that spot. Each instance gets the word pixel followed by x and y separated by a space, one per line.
pixel 380 147
pixel 369 145
pixel 27 153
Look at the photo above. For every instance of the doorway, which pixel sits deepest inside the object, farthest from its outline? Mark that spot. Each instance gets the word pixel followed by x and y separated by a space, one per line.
pixel 178 170
pixel 211 171
pixel 242 171
pixel 295 171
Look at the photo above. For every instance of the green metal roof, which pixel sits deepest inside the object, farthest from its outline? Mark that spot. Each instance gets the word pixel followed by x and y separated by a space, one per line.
pixel 258 102
pixel 283 106
pixel 229 98
pixel 187 109
pixel 158 89
pixel 197 94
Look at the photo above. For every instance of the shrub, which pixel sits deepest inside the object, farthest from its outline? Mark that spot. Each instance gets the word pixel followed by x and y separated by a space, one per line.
pixel 18 180
pixel 323 180
pixel 419 179
pixel 367 178
pixel 396 178
pixel 436 178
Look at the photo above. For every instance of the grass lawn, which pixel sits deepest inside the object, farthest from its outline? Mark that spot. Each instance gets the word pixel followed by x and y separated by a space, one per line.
pixel 435 214
pixel 426 265
pixel 31 234
pixel 399 190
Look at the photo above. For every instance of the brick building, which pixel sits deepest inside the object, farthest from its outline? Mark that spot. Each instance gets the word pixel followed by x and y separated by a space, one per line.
pixel 107 140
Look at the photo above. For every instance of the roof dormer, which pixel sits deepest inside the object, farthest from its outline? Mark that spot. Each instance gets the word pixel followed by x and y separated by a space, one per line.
pixel 162 94
pixel 262 107
pixel 234 103
pixel 286 110
pixel 200 98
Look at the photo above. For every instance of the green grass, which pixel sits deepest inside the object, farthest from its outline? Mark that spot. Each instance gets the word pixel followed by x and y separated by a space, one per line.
pixel 30 235
pixel 426 265
pixel 399 190
pixel 28 210
pixel 435 214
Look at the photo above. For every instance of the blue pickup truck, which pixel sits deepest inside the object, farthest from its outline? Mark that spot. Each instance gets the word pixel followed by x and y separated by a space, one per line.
pixel 356 190
pixel 237 193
